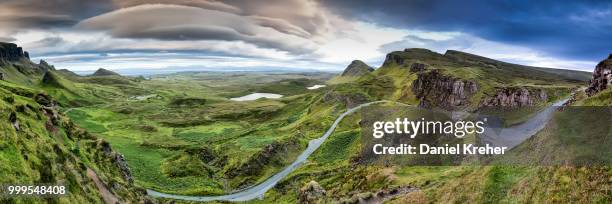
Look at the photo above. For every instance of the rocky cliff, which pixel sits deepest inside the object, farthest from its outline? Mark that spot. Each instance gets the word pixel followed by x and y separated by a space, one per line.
pixel 602 77
pixel 11 52
pixel 433 89
pixel 357 68
pixel 514 97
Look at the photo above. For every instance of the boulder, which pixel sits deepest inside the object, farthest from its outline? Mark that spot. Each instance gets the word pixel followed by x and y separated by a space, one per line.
pixel 1 76
pixel 311 193
pixel 602 77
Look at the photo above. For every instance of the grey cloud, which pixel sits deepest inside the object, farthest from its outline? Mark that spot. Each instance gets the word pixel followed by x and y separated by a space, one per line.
pixel 26 14
pixel 7 39
pixel 213 5
pixel 172 22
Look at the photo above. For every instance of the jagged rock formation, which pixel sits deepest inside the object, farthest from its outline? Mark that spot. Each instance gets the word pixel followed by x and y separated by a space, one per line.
pixel 357 68
pixel 434 89
pixel 104 72
pixel 602 77
pixel 514 97
pixel 11 52
pixel 311 193
pixel 45 66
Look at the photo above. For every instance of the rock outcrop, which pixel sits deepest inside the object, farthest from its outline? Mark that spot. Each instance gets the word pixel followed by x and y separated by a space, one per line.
pixel 602 77
pixel 433 89
pixel 512 97
pixel 417 67
pixel 311 193
pixel 14 121
pixel 349 100
pixel 357 68
pixel 11 52
pixel 104 72
pixel 45 66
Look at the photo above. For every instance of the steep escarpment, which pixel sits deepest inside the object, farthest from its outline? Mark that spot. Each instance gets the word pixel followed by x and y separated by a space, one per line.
pixel 357 68
pixel 602 77
pixel 434 89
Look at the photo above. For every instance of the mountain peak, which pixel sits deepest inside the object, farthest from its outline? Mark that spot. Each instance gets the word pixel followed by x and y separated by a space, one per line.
pixel 357 68
pixel 105 72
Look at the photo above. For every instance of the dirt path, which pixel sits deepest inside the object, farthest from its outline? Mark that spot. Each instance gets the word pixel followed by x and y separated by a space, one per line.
pixel 109 198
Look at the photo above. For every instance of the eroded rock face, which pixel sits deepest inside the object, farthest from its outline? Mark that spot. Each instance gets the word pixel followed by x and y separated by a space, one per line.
pixel 434 89
pixel 602 77
pixel 514 97
pixel 357 68
pixel 311 193
pixel 11 52
pixel 417 67
pixel 393 58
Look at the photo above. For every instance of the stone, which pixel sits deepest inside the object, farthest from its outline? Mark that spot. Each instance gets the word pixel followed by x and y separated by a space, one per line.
pixel 1 76
pixel 311 193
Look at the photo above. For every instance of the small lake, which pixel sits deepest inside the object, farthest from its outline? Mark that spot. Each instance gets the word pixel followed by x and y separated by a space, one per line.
pixel 255 96
pixel 315 87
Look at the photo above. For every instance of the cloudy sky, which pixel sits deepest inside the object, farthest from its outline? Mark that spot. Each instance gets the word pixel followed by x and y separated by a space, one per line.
pixel 301 34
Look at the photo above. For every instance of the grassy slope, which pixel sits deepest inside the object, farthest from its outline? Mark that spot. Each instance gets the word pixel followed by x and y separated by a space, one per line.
pixel 44 153
pixel 159 138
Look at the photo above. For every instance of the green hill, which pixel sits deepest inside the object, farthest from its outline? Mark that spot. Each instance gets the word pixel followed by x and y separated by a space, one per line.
pixel 39 144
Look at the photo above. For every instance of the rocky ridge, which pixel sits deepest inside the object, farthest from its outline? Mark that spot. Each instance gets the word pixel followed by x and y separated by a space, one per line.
pixel 602 77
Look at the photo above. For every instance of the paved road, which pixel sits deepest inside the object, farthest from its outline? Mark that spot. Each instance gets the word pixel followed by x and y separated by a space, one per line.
pixel 259 190
pixel 505 136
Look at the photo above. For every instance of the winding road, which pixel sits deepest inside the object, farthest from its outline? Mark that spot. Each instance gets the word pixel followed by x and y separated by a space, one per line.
pixel 503 136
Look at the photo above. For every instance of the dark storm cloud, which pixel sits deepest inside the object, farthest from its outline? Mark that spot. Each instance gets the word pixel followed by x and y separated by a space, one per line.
pixel 43 14
pixel 572 29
